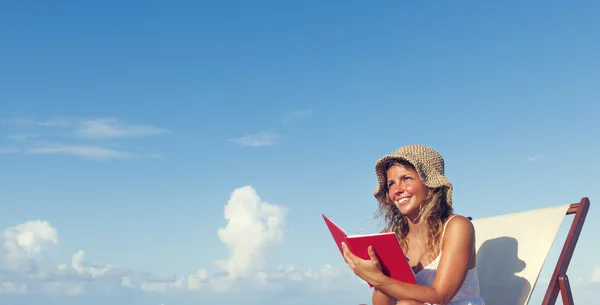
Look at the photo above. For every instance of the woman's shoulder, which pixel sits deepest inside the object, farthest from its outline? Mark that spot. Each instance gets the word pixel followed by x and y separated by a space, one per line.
pixel 459 235
pixel 458 224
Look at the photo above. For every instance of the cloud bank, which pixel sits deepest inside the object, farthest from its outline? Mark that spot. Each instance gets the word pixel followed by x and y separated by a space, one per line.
pixel 253 226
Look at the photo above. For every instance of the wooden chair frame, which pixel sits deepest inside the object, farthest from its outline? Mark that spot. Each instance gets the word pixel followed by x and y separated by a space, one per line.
pixel 559 280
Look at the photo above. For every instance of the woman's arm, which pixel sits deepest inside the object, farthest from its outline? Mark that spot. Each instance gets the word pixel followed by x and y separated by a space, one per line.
pixel 454 263
pixel 381 298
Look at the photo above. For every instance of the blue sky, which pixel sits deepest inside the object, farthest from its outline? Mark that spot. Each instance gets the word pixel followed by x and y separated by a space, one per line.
pixel 128 130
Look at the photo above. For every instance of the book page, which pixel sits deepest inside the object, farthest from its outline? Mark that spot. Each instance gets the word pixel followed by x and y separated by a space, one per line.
pixel 372 234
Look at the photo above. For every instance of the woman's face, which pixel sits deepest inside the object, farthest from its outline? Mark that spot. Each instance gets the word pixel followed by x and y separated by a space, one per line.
pixel 406 189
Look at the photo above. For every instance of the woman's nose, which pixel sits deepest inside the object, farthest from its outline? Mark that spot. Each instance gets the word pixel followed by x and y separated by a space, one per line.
pixel 397 190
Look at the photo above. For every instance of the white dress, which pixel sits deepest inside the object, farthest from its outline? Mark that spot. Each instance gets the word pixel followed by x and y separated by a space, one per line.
pixel 468 294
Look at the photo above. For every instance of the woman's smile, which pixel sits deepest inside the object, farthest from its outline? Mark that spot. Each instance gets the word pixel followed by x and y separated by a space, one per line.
pixel 403 200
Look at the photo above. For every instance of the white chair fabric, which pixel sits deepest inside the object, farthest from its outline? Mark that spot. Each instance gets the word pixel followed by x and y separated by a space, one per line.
pixel 511 251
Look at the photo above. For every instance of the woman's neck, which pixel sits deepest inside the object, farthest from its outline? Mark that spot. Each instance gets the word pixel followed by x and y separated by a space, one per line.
pixel 417 235
pixel 415 225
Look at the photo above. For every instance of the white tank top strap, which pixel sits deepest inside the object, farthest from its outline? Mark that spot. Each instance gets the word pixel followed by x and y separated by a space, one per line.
pixel 444 231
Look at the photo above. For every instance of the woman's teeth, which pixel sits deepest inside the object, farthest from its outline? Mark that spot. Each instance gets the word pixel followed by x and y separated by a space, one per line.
pixel 403 200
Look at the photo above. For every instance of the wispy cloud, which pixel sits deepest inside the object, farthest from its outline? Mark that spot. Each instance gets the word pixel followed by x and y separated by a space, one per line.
pixel 91 152
pixel 265 138
pixel 102 128
pixel 76 137
pixel 256 140
pixel 25 136
pixel 24 122
pixel 112 128
pixel 297 115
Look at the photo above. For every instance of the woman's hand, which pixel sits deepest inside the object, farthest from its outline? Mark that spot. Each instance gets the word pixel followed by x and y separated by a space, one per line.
pixel 368 270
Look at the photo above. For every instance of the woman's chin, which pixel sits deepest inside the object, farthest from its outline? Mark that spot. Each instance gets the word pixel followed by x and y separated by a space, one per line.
pixel 405 209
pixel 402 209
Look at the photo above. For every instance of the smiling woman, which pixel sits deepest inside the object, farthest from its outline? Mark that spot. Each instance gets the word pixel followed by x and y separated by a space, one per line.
pixel 415 199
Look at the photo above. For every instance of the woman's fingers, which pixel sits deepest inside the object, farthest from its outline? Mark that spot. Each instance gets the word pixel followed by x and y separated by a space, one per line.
pixel 349 257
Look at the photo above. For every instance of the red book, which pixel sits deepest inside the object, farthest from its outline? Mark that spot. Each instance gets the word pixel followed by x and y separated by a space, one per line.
pixel 387 248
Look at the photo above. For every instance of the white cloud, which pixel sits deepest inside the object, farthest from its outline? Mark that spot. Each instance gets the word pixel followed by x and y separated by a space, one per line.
pixel 21 245
pixel 25 136
pixel 92 152
pixel 69 288
pixel 284 277
pixel 101 128
pixel 197 281
pixel 29 123
pixel 252 225
pixel 256 140
pixel 112 128
pixel 12 288
pixel 77 137
pixel 163 286
pixel 93 270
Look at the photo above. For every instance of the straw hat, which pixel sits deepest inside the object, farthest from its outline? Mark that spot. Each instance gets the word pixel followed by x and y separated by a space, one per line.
pixel 428 163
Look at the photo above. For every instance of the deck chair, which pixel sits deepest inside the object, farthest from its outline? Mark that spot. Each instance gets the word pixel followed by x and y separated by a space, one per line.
pixel 512 249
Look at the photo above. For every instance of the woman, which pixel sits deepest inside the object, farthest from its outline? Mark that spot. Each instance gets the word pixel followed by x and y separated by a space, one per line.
pixel 415 199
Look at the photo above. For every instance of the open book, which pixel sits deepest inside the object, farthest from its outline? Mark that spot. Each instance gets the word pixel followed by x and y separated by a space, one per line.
pixel 387 248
